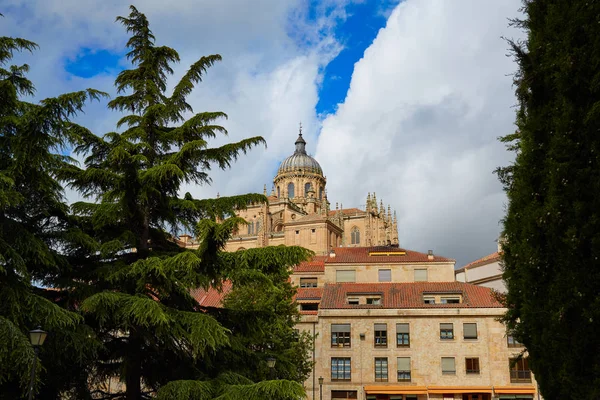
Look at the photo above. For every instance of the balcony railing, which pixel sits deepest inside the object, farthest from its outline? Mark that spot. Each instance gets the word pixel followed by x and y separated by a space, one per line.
pixel 520 376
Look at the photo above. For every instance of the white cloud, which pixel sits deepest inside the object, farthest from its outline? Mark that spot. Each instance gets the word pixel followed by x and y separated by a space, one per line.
pixel 420 124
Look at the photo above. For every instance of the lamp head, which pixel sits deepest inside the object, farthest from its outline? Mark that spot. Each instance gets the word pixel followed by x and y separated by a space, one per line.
pixel 37 337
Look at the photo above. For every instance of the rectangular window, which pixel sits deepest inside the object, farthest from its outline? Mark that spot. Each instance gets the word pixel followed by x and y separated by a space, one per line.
pixel 380 335
pixel 353 300
pixel 429 300
pixel 308 282
pixel 420 275
pixel 512 342
pixel 446 331
pixel 340 335
pixel 472 365
pixel 450 300
pixel 340 369
pixel 448 367
pixel 385 275
pixel 374 301
pixel 345 276
pixel 309 306
pixel 381 369
pixel 403 369
pixel 344 394
pixel 519 370
pixel 402 335
pixel 470 331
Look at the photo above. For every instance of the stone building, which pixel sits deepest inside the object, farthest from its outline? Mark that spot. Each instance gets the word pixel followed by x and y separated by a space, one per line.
pixel 298 212
pixel 486 271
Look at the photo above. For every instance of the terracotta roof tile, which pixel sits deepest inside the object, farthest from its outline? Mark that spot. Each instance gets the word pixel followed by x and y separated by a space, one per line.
pixel 360 255
pixel 212 297
pixel 407 295
pixel 348 211
pixel 317 264
pixel 309 294
pixel 490 258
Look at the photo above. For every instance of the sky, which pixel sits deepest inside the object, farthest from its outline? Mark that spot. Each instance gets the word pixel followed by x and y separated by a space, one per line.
pixel 403 98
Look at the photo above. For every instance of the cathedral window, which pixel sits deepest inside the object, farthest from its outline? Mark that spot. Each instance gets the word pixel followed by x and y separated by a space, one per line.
pixel 306 189
pixel 278 191
pixel 290 190
pixel 320 193
pixel 355 236
pixel 251 228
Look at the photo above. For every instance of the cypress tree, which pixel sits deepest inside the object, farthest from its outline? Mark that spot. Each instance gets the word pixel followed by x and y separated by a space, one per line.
pixel 552 226
pixel 133 285
pixel 34 229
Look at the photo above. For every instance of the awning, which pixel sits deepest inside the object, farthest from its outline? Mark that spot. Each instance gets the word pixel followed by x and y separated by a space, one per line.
pixel 395 389
pixel 514 389
pixel 459 389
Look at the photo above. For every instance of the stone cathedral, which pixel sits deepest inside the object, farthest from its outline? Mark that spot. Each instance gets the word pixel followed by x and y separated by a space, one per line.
pixel 299 213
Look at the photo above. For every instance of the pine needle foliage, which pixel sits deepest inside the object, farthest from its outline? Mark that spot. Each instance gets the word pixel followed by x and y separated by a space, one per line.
pixel 552 227
pixel 34 226
pixel 132 282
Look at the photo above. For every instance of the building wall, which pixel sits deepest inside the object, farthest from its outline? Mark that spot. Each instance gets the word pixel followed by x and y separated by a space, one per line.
pixel 442 272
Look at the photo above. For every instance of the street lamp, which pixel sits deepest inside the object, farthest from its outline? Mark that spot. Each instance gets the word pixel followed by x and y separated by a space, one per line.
pixel 271 364
pixel 321 388
pixel 37 338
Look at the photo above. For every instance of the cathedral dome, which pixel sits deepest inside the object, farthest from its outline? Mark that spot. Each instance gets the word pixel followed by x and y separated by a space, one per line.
pixel 300 160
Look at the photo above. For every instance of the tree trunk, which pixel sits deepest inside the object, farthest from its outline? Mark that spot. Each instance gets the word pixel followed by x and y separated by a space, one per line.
pixel 133 368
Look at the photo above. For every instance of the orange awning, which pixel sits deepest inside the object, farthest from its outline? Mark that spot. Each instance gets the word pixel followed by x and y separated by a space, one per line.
pixel 395 389
pixel 514 389
pixel 459 389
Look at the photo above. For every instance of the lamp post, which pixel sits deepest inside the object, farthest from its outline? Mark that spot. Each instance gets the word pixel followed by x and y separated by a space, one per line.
pixel 36 337
pixel 271 364
pixel 321 388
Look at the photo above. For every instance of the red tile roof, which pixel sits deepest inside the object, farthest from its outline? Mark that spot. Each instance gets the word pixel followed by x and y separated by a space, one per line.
pixel 317 264
pixel 212 297
pixel 360 255
pixel 309 294
pixel 490 258
pixel 348 211
pixel 407 295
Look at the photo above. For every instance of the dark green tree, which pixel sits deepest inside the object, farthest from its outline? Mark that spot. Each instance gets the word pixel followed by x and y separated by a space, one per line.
pixel 552 227
pixel 133 284
pixel 34 227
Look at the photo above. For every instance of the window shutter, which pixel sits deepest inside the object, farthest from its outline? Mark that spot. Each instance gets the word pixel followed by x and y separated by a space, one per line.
pixel 403 363
pixel 402 328
pixel 420 275
pixel 340 327
pixel 448 364
pixel 385 275
pixel 446 326
pixel 345 276
pixel 470 331
pixel 381 327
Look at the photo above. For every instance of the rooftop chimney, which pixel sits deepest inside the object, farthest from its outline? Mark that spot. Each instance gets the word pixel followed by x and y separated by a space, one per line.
pixel 430 254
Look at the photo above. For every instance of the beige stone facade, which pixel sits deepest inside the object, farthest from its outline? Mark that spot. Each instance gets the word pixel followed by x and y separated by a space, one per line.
pixel 486 271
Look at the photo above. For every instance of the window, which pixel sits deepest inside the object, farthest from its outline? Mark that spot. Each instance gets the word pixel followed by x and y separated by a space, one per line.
pixel 340 369
pixel 420 275
pixel 402 335
pixel 381 369
pixel 353 300
pixel 470 331
pixel 446 331
pixel 429 300
pixel 345 276
pixel 320 193
pixel 309 306
pixel 519 370
pixel 512 342
pixel 355 236
pixel 450 300
pixel 448 367
pixel 278 192
pixel 308 282
pixel 374 301
pixel 290 190
pixel 385 275
pixel 403 369
pixel 307 188
pixel 251 228
pixel 472 365
pixel 380 335
pixel 344 394
pixel 340 335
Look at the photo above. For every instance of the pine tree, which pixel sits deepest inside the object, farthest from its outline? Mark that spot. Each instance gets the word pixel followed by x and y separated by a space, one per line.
pixel 134 287
pixel 552 227
pixel 34 228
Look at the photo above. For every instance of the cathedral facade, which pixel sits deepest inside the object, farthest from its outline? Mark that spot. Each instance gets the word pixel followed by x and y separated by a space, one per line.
pixel 299 213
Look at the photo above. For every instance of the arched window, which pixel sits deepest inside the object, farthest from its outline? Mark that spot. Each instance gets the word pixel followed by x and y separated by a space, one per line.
pixel 290 190
pixel 306 189
pixel 278 192
pixel 251 228
pixel 257 227
pixel 241 248
pixel 320 193
pixel 355 236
